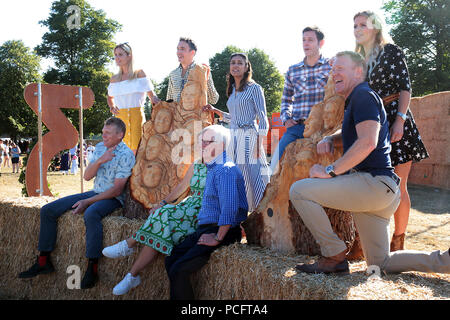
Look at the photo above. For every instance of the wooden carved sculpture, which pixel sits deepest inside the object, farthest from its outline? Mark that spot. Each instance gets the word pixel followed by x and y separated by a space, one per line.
pixel 275 222
pixel 62 134
pixel 166 149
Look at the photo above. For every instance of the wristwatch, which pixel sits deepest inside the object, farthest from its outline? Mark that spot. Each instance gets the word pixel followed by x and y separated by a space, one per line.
pixel 402 115
pixel 217 238
pixel 330 170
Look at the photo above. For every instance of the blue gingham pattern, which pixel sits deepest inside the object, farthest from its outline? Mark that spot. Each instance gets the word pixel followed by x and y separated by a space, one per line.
pixel 224 199
pixel 246 108
pixel 119 167
pixel 304 86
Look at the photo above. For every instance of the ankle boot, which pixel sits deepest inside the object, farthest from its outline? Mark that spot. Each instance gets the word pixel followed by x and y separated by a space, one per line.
pixel 398 242
pixel 334 264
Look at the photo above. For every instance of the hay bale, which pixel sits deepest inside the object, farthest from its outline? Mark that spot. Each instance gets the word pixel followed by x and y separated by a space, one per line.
pixel 237 272
pixel 19 221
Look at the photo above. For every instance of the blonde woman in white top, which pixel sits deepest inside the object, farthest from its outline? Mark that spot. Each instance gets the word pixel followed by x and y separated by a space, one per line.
pixel 127 92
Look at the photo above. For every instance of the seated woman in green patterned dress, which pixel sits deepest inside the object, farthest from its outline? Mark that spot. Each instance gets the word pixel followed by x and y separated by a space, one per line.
pixel 166 226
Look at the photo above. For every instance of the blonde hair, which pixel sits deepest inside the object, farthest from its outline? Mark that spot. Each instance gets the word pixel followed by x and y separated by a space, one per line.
pixel 381 39
pixel 132 74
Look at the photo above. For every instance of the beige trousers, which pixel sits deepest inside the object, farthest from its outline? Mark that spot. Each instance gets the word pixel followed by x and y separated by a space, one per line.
pixel 372 201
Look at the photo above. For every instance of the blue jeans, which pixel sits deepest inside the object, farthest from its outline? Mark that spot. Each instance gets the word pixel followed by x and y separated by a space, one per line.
pixel 293 133
pixel 92 220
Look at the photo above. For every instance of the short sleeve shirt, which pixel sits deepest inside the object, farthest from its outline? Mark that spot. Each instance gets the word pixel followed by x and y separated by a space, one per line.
pixel 119 167
pixel 364 104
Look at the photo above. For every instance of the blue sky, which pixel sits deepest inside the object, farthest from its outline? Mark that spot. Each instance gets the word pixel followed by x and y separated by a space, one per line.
pixel 154 27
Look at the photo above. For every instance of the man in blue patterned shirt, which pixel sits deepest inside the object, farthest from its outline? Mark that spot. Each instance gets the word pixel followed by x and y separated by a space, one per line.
pixel 111 166
pixel 304 87
pixel 224 207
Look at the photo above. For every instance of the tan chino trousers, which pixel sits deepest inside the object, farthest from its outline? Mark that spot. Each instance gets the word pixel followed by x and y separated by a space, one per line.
pixel 372 201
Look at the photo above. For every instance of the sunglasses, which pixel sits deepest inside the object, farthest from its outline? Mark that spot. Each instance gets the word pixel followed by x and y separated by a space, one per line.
pixel 243 55
pixel 125 46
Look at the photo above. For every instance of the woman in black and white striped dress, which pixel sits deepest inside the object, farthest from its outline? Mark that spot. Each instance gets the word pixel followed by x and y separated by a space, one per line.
pixel 248 123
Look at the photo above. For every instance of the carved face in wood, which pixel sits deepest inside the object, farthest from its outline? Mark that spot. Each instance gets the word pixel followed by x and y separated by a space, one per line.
pixel 330 113
pixel 314 121
pixel 152 174
pixel 154 147
pixel 163 121
pixel 190 96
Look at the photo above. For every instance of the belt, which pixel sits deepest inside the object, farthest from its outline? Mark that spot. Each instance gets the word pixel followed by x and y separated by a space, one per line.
pixel 389 99
pixel 209 225
pixel 301 121
pixel 396 179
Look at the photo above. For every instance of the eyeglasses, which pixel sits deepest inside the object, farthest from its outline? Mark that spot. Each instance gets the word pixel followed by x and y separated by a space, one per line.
pixel 207 142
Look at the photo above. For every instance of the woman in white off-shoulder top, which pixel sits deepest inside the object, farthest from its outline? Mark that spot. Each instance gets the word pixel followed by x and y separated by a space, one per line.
pixel 127 92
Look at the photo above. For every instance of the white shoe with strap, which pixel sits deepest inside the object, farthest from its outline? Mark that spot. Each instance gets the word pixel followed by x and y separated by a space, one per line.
pixel 118 250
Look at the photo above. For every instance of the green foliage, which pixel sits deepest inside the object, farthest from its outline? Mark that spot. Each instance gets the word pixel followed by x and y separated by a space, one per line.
pixel 19 66
pixel 421 28
pixel 220 66
pixel 80 56
pixel 161 89
pixel 264 72
pixel 267 75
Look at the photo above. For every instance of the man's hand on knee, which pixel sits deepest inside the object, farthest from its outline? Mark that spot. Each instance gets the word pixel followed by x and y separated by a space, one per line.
pixel 81 206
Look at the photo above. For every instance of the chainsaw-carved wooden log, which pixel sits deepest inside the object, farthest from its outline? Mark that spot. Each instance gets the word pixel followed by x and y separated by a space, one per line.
pixel 275 223
pixel 168 144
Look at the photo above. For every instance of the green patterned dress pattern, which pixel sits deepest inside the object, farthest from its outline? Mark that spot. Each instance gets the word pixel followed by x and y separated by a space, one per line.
pixel 168 225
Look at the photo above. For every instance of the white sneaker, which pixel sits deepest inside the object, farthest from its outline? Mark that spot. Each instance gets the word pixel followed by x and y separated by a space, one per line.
pixel 118 250
pixel 128 283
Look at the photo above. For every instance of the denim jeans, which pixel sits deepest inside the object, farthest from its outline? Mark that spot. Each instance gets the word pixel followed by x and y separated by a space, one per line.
pixel 92 220
pixel 293 133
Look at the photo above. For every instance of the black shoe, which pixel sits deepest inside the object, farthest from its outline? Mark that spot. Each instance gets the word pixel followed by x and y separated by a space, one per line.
pixel 37 269
pixel 90 278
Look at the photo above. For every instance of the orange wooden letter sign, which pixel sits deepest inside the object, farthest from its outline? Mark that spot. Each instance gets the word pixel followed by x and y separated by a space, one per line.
pixel 62 134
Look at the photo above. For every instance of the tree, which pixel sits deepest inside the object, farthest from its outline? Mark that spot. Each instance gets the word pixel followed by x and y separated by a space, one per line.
pixel 18 67
pixel 267 75
pixel 80 55
pixel 421 28
pixel 161 88
pixel 264 72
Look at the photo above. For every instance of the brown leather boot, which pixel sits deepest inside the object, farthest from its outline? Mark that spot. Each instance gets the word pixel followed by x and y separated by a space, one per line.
pixel 398 242
pixel 334 264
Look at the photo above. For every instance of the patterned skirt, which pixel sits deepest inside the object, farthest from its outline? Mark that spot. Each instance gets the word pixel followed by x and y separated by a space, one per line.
pixel 169 225
pixel 411 146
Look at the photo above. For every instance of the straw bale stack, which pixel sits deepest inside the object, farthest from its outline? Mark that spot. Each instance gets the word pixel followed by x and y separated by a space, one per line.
pixel 237 272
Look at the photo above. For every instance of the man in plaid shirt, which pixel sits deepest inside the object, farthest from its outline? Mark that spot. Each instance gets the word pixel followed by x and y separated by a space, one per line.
pixel 303 88
pixel 186 51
